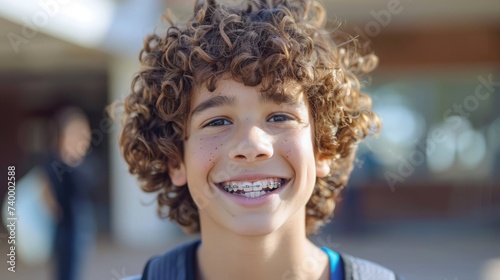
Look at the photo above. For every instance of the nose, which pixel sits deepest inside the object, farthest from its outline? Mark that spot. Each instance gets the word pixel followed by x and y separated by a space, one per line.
pixel 253 144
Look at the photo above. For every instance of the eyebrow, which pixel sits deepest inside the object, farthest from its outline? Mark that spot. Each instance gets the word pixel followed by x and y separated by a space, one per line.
pixel 222 100
pixel 216 101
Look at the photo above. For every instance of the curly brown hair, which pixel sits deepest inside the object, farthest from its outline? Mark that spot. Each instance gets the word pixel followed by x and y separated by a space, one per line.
pixel 264 44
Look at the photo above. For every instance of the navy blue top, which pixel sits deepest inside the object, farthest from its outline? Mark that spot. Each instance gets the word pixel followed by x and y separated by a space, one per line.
pixel 336 266
pixel 180 264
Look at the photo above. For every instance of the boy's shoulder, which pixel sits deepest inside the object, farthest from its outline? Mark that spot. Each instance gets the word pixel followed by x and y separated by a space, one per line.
pixel 361 269
pixel 177 263
pixel 180 263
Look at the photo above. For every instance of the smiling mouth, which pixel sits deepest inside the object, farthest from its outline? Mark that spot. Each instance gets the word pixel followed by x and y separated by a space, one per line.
pixel 252 189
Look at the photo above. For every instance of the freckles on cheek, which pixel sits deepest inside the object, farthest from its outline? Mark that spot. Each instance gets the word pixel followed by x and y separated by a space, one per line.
pixel 294 146
pixel 287 148
pixel 205 150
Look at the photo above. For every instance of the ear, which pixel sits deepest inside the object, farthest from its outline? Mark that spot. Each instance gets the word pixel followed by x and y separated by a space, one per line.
pixel 322 166
pixel 177 173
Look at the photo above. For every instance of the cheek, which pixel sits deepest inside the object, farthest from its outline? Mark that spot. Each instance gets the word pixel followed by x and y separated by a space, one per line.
pixel 297 147
pixel 298 142
pixel 203 151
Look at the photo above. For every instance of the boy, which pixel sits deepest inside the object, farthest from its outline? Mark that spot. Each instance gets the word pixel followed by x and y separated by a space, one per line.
pixel 246 121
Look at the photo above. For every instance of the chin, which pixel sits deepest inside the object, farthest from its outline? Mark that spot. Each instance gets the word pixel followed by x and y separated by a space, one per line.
pixel 254 227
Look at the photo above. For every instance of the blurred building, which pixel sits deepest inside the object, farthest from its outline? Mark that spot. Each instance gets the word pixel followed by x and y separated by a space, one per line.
pixel 437 90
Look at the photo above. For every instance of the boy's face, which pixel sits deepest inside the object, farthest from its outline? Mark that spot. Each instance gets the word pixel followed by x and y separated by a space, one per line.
pixel 249 160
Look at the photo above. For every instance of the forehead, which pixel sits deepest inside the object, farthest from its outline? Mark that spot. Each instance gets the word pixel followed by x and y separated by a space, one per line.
pixel 290 92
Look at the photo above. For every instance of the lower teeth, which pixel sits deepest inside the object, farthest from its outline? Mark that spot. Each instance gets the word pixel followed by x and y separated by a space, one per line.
pixel 254 194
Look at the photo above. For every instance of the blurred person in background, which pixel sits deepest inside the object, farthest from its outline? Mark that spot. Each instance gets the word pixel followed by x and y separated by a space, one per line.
pixel 70 180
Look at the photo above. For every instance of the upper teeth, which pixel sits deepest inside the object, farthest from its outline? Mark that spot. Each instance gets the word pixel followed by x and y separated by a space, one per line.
pixel 252 186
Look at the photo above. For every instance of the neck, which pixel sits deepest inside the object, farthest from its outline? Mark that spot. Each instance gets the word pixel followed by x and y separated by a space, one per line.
pixel 283 254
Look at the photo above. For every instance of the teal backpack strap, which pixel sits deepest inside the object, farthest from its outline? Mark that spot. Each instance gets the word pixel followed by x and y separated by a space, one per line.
pixel 336 265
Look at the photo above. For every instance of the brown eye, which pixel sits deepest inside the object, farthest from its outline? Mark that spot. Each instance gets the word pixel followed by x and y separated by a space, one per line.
pixel 279 118
pixel 218 122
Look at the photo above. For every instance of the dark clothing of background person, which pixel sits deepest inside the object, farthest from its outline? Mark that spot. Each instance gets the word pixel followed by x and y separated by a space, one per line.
pixel 74 226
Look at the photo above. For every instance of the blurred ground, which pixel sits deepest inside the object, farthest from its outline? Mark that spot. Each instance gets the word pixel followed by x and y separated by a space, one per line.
pixel 417 250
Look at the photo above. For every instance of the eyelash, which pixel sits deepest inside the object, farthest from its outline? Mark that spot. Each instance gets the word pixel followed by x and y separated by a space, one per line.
pixel 284 117
pixel 222 122
pixel 213 122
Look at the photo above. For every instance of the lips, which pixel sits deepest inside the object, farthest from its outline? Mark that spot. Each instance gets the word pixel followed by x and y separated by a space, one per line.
pixel 252 189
